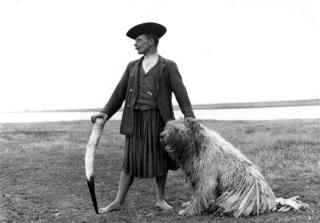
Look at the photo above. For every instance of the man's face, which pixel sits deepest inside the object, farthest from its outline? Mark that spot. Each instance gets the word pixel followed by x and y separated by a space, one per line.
pixel 143 44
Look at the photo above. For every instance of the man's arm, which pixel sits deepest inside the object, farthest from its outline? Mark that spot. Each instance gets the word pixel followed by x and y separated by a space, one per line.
pixel 179 90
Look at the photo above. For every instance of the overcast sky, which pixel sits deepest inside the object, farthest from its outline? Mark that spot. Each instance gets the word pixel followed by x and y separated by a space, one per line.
pixel 64 54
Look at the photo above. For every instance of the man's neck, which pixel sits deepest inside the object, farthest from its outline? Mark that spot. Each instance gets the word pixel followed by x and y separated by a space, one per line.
pixel 151 54
pixel 149 61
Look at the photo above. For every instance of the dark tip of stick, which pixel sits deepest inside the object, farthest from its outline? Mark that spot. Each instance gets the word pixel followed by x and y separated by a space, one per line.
pixel 93 194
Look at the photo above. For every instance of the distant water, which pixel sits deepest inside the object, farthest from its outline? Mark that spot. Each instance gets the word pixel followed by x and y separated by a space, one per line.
pixel 270 113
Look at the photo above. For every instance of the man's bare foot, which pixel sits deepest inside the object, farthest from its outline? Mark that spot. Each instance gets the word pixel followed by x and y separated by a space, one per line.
pixel 163 205
pixel 114 206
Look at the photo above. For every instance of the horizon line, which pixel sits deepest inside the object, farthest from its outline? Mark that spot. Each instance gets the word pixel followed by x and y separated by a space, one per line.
pixel 235 105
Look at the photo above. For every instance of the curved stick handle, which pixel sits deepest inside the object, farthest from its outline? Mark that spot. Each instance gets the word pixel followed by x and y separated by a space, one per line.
pixel 89 158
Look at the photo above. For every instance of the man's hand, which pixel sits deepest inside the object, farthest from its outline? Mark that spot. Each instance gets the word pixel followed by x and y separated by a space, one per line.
pixel 102 115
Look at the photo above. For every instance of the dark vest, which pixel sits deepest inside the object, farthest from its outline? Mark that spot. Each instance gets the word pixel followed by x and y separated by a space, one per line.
pixel 147 88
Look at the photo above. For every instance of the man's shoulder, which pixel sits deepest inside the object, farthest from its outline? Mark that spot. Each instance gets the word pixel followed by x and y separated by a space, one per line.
pixel 133 62
pixel 168 62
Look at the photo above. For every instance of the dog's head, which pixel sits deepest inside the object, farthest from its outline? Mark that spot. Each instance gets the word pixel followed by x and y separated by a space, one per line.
pixel 181 138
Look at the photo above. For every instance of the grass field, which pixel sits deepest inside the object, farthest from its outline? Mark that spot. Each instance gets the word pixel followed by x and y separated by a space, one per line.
pixel 42 172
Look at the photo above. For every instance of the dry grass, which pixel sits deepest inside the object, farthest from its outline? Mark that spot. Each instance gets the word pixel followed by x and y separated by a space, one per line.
pixel 42 172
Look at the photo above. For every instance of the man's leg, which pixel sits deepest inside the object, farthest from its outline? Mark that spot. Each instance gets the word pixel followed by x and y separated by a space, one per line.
pixel 124 185
pixel 161 184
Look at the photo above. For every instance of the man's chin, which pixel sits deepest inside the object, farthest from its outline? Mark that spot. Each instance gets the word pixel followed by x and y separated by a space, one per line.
pixel 140 51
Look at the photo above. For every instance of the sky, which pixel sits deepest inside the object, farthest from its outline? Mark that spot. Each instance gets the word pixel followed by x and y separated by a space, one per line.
pixel 69 54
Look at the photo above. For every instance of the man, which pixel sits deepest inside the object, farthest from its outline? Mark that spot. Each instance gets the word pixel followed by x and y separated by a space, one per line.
pixel 146 87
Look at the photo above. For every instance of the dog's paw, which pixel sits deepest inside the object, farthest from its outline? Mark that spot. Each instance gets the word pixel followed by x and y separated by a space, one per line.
pixel 186 204
pixel 187 212
pixel 183 212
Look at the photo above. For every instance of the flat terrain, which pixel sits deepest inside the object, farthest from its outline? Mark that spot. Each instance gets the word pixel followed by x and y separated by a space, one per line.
pixel 42 172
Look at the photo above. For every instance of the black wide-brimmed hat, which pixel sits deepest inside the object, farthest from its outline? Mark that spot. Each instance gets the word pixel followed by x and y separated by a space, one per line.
pixel 147 28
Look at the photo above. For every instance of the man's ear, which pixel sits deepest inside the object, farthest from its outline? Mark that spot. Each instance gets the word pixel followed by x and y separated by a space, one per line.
pixel 152 42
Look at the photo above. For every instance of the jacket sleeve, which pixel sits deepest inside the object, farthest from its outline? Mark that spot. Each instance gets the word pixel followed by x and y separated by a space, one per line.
pixel 179 90
pixel 118 95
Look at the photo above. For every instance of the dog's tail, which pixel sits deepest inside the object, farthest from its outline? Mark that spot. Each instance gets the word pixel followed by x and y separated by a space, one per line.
pixel 284 205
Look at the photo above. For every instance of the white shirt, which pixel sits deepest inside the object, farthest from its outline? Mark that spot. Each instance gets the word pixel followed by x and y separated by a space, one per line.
pixel 149 62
